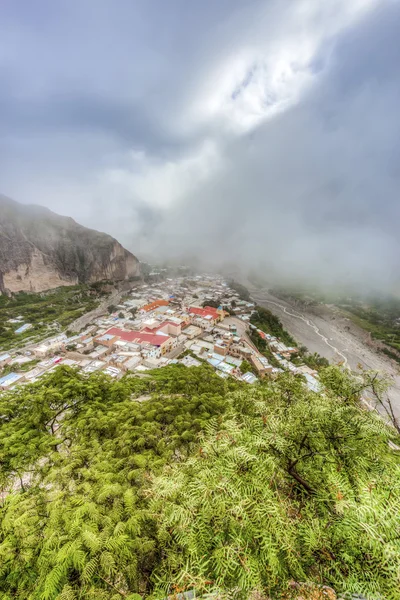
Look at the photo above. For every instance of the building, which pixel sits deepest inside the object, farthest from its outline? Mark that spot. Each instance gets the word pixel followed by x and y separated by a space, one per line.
pixel 9 380
pixel 221 347
pixel 23 328
pixel 112 371
pixel 192 331
pixel 132 363
pixel 93 366
pixel 99 353
pixel 48 348
pixel 241 351
pixel 261 364
pixel 161 343
pixel 249 378
pixel 210 315
pixel 189 361
pixel 153 305
pixel 107 340
pixel 4 359
pixel 167 327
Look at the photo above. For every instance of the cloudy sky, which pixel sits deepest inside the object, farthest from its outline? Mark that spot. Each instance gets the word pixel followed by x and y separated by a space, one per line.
pixel 257 133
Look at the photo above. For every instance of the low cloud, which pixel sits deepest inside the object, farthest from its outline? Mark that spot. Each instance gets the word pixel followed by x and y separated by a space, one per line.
pixel 244 137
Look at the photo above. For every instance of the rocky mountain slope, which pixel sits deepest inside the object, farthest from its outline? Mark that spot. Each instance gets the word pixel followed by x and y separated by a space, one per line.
pixel 40 250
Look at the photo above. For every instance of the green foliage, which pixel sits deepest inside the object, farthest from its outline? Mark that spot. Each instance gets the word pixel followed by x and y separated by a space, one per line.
pixel 112 308
pixel 77 452
pixel 180 479
pixel 292 486
pixel 24 367
pixel 243 292
pixel 314 361
pixel 245 367
pixel 265 320
pixel 263 347
pixel 62 305
pixel 121 315
pixel 212 303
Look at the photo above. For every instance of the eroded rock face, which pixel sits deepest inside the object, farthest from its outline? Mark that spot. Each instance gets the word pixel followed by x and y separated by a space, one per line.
pixel 40 250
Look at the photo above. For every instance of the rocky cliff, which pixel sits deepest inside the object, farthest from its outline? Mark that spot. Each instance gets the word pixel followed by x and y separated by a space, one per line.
pixel 40 250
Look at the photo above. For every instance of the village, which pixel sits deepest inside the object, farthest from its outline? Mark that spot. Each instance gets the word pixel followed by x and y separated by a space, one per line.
pixel 178 320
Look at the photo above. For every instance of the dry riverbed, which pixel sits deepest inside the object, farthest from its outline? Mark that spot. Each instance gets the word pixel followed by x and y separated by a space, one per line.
pixel 325 330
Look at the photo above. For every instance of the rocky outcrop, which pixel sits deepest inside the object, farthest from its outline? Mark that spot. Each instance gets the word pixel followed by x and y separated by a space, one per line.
pixel 40 250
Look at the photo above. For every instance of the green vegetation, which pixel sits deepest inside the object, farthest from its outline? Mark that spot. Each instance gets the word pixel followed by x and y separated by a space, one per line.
pixel 265 320
pixel 263 347
pixel 25 367
pixel 181 480
pixel 380 317
pixel 243 292
pixel 57 307
pixel 246 367
pixel 212 303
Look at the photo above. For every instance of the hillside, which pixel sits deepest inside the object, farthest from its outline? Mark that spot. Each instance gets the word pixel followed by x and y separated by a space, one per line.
pixel 41 250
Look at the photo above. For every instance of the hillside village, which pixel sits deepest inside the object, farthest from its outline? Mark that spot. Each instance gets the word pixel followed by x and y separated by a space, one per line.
pixel 179 320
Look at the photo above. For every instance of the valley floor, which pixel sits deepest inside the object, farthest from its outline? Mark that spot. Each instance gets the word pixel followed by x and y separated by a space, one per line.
pixel 326 331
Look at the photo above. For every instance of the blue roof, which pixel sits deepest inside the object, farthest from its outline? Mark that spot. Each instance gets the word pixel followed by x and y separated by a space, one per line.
pixel 8 377
pixel 213 362
pixel 23 328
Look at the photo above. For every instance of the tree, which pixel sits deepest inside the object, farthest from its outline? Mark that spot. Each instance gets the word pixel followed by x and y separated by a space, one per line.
pixel 181 480
pixel 245 367
pixel 121 315
pixel 76 453
pixel 212 303
pixel 292 486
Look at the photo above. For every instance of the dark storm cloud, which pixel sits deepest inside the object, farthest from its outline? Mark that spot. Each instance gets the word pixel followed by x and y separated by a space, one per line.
pixel 253 134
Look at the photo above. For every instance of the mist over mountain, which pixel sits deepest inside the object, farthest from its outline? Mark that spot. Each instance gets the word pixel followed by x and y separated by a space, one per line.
pixel 242 136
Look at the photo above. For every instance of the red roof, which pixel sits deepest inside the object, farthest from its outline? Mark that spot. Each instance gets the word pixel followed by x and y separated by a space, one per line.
pixel 138 336
pixel 207 311
pixel 169 323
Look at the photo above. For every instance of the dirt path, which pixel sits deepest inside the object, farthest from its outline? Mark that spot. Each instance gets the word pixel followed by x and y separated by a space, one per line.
pixel 88 317
pixel 326 331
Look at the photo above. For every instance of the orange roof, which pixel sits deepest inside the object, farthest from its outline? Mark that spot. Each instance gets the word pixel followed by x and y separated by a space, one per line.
pixel 206 312
pixel 155 304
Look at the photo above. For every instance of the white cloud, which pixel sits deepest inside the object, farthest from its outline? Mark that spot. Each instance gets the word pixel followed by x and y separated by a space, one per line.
pixel 162 183
pixel 273 68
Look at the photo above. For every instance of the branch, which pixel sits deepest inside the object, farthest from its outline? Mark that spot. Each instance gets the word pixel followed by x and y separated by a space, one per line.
pixel 124 594
pixel 301 481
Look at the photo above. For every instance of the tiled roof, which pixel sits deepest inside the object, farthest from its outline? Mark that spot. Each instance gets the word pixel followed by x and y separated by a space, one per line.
pixel 138 336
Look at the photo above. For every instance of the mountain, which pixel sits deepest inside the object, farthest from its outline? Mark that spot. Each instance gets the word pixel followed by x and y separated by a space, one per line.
pixel 40 250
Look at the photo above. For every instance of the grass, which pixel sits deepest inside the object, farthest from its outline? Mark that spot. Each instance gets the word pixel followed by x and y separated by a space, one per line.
pixel 48 312
pixel 25 367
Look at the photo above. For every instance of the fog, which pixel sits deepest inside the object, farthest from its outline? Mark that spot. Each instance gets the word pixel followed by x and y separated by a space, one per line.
pixel 235 135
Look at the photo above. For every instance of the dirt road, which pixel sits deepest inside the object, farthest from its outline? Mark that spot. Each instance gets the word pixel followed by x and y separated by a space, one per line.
pixel 87 318
pixel 326 331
